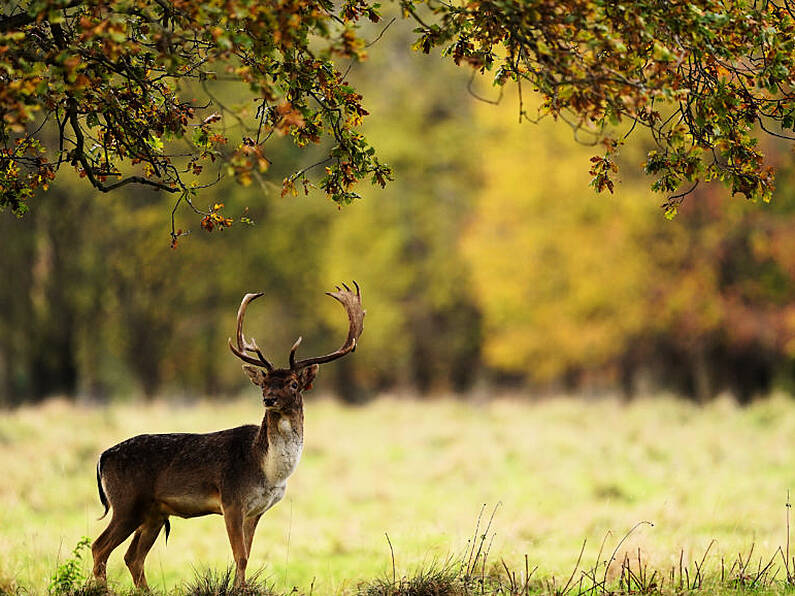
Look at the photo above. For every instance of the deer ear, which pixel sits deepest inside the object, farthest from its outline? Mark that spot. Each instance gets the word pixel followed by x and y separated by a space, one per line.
pixel 257 375
pixel 308 376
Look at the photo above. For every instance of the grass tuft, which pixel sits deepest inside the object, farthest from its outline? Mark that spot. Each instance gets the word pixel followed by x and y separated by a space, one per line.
pixel 434 579
pixel 209 582
pixel 10 587
pixel 93 588
pixel 453 577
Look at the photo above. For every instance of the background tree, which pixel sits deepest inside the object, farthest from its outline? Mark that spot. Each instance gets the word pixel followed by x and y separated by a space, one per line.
pixel 422 311
pixel 562 282
pixel 487 261
pixel 588 294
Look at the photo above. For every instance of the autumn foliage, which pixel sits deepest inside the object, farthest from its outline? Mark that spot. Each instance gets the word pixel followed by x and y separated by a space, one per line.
pixel 592 293
pixel 127 91
pixel 703 77
pixel 488 261
pixel 110 88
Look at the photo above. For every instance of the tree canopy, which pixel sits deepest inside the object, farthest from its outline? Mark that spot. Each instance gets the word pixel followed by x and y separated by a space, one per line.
pixel 130 91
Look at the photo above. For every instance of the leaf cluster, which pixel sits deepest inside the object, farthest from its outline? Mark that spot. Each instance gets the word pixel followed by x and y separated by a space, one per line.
pixel 69 575
pixel 109 88
pixel 703 77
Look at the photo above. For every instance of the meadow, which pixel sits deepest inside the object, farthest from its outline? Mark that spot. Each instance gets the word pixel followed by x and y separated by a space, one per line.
pixel 559 470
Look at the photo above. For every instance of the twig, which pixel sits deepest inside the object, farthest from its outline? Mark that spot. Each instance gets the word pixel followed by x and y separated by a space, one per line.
pixel 380 35
pixel 786 557
pixel 576 566
pixel 678 198
pixel 494 102
pixel 620 542
pixel 392 552
pixel 471 547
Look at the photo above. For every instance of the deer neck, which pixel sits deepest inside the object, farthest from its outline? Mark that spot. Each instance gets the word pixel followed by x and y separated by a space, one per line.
pixel 279 443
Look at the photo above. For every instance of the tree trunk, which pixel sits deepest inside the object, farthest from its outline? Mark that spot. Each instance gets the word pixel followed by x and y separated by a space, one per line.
pixel 702 377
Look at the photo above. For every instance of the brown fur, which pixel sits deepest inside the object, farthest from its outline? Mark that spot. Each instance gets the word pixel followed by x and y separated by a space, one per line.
pixel 238 473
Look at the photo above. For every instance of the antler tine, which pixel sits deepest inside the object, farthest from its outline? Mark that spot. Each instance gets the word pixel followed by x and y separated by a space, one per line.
pixel 353 308
pixel 246 358
pixel 292 351
pixel 243 346
pixel 253 347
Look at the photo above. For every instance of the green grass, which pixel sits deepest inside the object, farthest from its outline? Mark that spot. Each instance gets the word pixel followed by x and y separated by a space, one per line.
pixel 563 471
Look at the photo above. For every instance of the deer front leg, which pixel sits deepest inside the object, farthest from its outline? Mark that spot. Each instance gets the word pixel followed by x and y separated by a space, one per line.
pixel 249 526
pixel 233 516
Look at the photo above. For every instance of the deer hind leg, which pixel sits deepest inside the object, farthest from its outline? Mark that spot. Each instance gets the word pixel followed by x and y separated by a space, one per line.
pixel 233 517
pixel 120 527
pixel 129 556
pixel 141 544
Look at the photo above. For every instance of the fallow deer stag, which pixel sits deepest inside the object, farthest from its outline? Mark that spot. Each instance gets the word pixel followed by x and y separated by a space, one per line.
pixel 239 473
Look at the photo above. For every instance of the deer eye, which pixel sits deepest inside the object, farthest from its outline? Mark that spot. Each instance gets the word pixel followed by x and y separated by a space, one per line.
pixel 294 385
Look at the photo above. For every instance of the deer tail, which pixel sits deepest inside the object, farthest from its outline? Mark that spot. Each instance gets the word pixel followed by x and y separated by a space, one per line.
pixel 168 530
pixel 102 496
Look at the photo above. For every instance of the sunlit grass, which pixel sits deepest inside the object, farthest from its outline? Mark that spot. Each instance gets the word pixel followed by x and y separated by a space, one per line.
pixel 564 470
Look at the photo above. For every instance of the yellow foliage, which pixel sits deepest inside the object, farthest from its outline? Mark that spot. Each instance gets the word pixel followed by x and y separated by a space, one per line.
pixel 559 271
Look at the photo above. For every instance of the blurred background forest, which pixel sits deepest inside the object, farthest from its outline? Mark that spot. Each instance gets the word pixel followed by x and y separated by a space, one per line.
pixel 488 263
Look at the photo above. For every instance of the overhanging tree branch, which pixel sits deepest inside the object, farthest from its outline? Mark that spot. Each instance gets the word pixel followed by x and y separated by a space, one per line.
pixel 19 20
pixel 702 77
pixel 80 156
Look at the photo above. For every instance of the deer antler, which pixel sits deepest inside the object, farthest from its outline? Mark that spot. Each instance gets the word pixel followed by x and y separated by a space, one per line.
pixel 353 307
pixel 244 346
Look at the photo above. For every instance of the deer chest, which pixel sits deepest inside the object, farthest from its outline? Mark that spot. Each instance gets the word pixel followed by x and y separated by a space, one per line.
pixel 263 498
pixel 284 452
pixel 281 459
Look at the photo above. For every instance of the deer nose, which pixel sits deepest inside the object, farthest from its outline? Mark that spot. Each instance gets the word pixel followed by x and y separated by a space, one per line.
pixel 269 401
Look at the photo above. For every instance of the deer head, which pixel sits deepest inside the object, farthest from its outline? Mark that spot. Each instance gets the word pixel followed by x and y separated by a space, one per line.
pixel 282 388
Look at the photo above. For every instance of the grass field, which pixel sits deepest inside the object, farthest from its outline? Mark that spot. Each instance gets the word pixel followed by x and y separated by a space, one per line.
pixel 563 470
